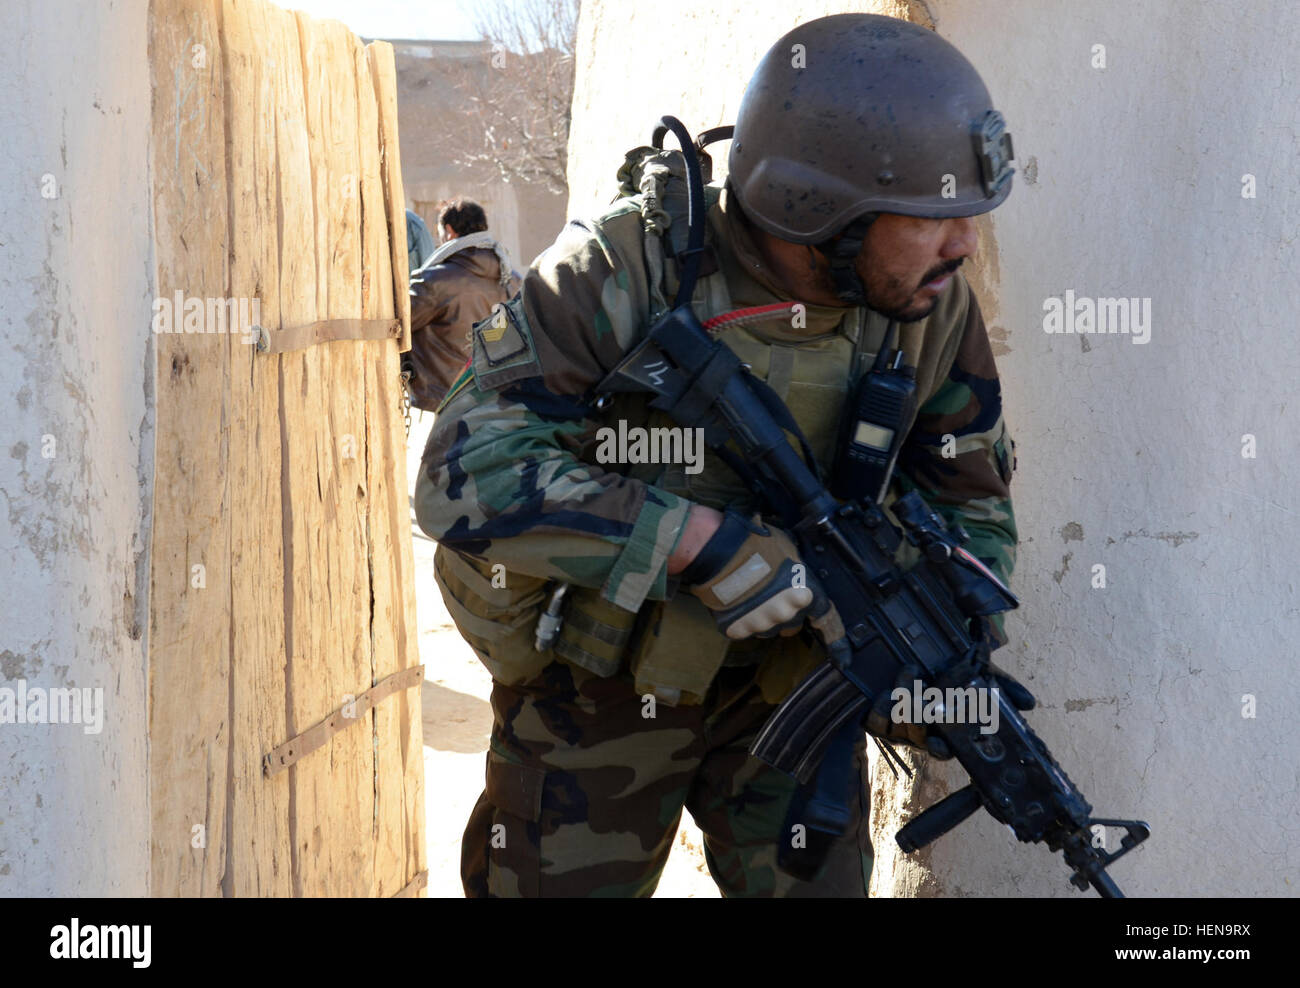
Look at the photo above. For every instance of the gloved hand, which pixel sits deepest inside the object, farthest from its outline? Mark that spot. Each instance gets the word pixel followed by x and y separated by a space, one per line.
pixel 745 574
pixel 883 724
pixel 987 639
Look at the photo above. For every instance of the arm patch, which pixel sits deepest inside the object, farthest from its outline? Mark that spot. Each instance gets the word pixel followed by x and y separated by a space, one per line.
pixel 503 347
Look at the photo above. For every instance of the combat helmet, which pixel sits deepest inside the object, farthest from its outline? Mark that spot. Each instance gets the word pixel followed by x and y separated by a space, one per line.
pixel 852 115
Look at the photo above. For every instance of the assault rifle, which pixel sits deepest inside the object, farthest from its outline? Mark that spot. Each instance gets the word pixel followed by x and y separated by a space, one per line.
pixel 923 621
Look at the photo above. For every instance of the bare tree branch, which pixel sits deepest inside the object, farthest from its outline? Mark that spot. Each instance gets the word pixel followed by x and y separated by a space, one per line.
pixel 517 99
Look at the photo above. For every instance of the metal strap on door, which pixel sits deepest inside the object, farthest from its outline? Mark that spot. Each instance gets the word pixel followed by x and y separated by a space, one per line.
pixel 280 758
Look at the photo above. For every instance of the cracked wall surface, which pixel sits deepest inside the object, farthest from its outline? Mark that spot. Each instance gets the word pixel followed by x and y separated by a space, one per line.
pixel 1129 181
pixel 76 461
pixel 1130 455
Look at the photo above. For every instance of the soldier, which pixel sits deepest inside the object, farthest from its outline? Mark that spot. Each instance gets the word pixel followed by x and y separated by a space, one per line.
pixel 853 177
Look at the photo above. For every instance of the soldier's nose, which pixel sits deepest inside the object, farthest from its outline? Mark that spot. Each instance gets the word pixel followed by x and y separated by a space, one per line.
pixel 963 237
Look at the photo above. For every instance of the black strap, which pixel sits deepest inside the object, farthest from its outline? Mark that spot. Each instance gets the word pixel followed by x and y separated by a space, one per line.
pixel 706 137
pixel 694 206
pixel 782 505
pixel 841 253
pixel 778 410
pixel 882 355
pixel 693 401
pixel 718 551
pixel 706 384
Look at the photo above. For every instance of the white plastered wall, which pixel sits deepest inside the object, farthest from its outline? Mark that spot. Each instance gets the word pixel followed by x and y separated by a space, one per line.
pixel 1129 183
pixel 76 464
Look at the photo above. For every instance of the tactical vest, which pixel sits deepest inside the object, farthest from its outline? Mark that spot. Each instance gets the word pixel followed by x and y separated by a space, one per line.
pixel 673 648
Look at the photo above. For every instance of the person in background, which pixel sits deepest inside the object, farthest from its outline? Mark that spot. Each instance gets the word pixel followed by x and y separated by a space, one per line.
pixel 419 243
pixel 455 288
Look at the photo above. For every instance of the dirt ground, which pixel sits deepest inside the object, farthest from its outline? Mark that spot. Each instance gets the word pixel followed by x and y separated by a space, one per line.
pixel 457 720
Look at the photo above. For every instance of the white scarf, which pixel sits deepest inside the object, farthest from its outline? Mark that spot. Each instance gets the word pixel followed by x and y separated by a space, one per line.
pixel 481 239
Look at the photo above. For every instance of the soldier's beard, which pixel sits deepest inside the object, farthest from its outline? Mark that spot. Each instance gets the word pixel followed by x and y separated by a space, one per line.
pixel 900 300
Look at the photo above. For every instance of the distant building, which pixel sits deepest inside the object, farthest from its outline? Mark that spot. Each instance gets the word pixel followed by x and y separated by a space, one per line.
pixel 525 217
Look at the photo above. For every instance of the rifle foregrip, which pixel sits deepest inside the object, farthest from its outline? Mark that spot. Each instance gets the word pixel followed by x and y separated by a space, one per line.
pixel 796 736
pixel 939 819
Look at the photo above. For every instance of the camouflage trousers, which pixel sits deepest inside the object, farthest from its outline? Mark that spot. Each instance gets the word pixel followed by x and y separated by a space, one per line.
pixel 585 792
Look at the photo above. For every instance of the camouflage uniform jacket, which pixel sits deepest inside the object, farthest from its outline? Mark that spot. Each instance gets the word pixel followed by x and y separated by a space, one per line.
pixel 509 474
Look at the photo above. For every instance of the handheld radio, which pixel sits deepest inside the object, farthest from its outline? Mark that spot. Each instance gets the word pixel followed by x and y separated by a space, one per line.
pixel 873 428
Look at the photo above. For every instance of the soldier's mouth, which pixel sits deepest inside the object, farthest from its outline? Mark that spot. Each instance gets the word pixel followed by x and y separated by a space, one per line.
pixel 940 282
pixel 938 285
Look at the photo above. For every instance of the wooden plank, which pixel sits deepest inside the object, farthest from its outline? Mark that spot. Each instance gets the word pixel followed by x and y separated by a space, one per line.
pixel 399 823
pixel 398 726
pixel 377 302
pixel 334 789
pixel 258 850
pixel 189 625
pixel 376 263
pixel 348 433
pixel 348 427
pixel 298 386
pixel 383 73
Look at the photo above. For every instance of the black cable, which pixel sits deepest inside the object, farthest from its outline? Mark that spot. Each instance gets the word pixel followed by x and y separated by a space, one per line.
pixel 694 206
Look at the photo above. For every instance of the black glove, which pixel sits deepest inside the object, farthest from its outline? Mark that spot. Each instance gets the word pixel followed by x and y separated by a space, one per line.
pixel 883 724
pixel 986 640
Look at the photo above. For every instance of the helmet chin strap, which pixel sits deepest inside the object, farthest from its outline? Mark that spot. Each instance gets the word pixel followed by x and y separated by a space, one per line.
pixel 841 252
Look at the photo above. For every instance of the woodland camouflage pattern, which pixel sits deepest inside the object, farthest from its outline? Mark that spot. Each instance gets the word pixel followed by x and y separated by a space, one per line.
pixel 598 815
pixel 593 788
